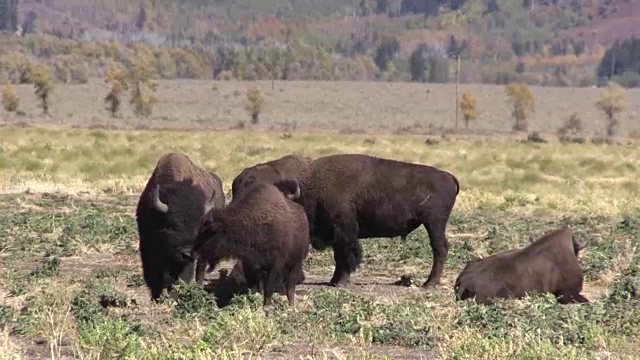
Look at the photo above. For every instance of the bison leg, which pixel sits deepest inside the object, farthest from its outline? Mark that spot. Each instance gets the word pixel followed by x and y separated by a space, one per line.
pixel 292 281
pixel 201 269
pixel 273 276
pixel 347 251
pixel 300 277
pixel 439 245
pixel 347 259
pixel 154 283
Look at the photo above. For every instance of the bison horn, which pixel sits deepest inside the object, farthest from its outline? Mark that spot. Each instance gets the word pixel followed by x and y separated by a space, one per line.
pixel 211 203
pixel 157 203
pixel 296 193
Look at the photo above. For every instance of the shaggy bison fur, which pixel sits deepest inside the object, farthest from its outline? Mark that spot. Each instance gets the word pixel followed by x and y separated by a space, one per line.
pixel 263 229
pixel 348 197
pixel 168 216
pixel 285 168
pixel 547 265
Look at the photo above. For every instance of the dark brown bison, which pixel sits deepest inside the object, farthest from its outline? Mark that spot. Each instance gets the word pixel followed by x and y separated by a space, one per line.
pixel 348 197
pixel 285 168
pixel 265 230
pixel 547 265
pixel 168 216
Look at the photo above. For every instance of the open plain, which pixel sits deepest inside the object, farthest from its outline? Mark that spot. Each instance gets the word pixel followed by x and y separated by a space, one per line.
pixel 71 285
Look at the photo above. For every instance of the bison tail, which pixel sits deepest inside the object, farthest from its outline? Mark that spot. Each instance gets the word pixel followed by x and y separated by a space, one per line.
pixel 455 180
pixel 157 203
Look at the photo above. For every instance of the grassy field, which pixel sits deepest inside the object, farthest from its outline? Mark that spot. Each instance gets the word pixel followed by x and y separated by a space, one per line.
pixel 72 284
pixel 347 107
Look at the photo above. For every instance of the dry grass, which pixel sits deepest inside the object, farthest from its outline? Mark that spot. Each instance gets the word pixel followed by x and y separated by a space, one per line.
pixel 493 172
pixel 331 106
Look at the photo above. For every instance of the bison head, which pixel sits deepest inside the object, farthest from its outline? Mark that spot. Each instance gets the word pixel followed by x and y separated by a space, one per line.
pixel 164 208
pixel 258 174
pixel 211 242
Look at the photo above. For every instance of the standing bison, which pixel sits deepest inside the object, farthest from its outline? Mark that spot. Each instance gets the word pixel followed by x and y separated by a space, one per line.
pixel 285 168
pixel 168 215
pixel 263 229
pixel 547 265
pixel 288 167
pixel 348 197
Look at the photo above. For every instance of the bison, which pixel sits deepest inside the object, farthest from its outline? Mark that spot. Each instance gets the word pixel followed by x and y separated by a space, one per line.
pixel 265 230
pixel 547 265
pixel 285 168
pixel 168 216
pixel 348 197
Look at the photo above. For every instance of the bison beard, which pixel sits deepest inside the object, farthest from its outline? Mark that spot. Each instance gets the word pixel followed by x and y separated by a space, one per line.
pixel 263 229
pixel 349 197
pixel 548 265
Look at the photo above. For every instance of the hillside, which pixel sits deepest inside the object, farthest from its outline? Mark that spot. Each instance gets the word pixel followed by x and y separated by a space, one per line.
pixel 541 42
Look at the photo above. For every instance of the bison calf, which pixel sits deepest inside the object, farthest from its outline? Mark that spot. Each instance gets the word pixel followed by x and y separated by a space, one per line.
pixel 265 230
pixel 547 265
pixel 168 216
pixel 348 197
pixel 288 167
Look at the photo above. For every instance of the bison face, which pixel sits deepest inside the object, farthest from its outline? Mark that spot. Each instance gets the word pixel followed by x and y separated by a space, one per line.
pixel 241 185
pixel 211 242
pixel 257 175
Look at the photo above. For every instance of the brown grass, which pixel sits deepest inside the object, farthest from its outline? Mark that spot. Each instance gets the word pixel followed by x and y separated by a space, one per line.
pixel 330 106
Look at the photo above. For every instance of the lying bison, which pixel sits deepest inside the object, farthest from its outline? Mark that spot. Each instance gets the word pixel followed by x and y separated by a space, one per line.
pixel 349 197
pixel 285 168
pixel 547 265
pixel 168 215
pixel 265 230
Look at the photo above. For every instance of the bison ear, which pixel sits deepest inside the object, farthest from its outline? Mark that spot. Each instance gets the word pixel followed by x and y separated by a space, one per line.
pixel 289 187
pixel 581 245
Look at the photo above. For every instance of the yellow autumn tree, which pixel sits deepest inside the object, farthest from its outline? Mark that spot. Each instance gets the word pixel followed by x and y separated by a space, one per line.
pixel 522 102
pixel 611 103
pixel 255 104
pixel 468 107
pixel 43 82
pixel 142 96
pixel 116 79
pixel 10 99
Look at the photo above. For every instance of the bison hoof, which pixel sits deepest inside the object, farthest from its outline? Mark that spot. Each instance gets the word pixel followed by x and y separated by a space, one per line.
pixel 430 284
pixel 340 284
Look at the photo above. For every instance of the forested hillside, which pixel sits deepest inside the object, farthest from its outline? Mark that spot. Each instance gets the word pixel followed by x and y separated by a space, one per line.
pixel 542 42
